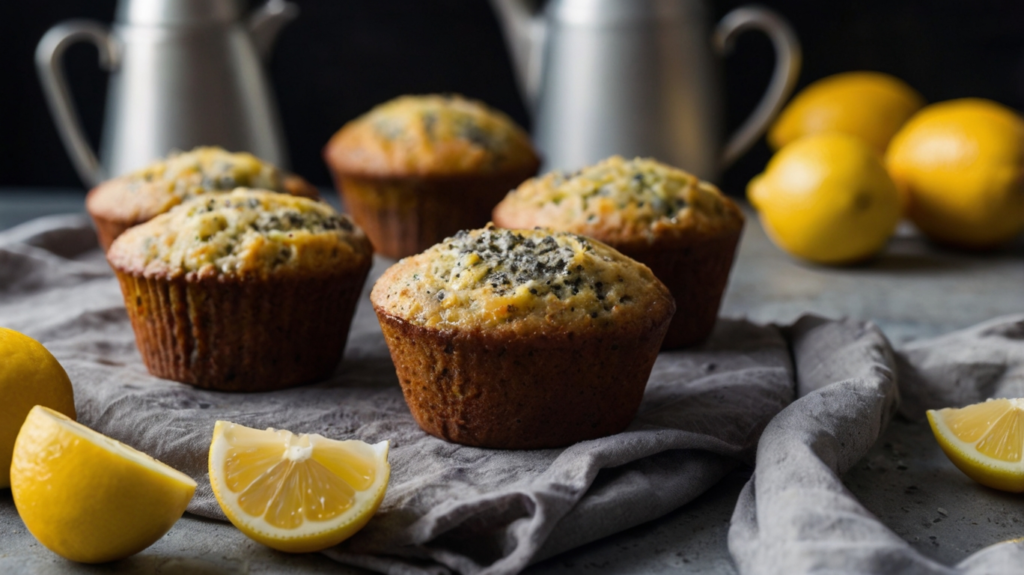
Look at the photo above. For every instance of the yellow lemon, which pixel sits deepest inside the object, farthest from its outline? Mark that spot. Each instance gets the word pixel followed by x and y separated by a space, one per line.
pixel 827 198
pixel 87 497
pixel 961 164
pixel 29 376
pixel 296 492
pixel 869 105
pixel 985 441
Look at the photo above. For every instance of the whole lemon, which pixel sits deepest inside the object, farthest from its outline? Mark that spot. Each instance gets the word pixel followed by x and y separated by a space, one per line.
pixel 869 105
pixel 961 164
pixel 29 376
pixel 827 198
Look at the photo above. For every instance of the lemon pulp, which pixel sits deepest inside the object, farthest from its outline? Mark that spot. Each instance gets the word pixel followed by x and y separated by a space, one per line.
pixel 985 441
pixel 296 492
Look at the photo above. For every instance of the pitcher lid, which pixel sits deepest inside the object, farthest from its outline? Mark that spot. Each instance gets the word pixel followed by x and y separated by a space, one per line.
pixel 617 12
pixel 176 12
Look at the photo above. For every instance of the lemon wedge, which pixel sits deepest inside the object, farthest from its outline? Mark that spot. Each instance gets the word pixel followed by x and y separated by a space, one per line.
pixel 90 498
pixel 296 492
pixel 985 441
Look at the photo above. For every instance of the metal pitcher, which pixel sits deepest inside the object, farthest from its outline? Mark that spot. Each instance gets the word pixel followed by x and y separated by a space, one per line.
pixel 638 78
pixel 183 73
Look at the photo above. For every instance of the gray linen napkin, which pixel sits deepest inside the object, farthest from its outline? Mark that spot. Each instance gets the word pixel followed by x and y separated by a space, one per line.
pixel 795 515
pixel 471 510
pixel 448 506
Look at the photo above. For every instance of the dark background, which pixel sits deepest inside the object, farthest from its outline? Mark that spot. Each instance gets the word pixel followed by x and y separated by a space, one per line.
pixel 340 57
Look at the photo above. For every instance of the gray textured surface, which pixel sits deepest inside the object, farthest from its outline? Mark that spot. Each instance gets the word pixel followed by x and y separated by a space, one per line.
pixel 912 291
pixel 905 480
pixel 20 205
pixel 193 546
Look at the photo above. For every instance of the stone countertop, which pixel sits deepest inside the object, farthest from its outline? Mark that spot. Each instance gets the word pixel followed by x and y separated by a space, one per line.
pixel 913 290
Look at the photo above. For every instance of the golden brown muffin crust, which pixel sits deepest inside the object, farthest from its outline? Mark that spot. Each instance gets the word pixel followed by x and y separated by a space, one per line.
pixel 622 202
pixel 138 197
pixel 244 233
pixel 522 282
pixel 429 135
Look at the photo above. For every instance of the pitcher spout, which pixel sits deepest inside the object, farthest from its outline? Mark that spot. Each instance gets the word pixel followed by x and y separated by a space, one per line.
pixel 266 22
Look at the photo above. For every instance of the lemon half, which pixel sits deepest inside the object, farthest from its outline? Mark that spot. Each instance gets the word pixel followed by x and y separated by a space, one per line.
pixel 90 498
pixel 985 441
pixel 296 492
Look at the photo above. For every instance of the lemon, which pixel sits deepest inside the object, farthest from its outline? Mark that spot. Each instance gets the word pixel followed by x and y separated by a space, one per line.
pixel 29 376
pixel 962 165
pixel 869 105
pixel 87 497
pixel 827 198
pixel 985 441
pixel 296 492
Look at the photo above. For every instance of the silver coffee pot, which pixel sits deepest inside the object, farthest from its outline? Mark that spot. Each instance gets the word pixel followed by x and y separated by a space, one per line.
pixel 638 78
pixel 183 73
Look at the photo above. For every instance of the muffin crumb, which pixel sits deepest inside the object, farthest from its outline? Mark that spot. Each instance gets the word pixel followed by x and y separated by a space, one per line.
pixel 493 276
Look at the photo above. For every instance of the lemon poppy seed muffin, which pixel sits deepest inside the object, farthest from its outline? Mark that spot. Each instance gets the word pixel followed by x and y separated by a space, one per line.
pixel 129 200
pixel 522 338
pixel 685 229
pixel 416 169
pixel 243 291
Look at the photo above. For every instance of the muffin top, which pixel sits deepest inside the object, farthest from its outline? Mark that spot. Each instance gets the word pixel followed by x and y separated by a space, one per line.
pixel 622 202
pixel 153 190
pixel 245 234
pixel 430 135
pixel 522 281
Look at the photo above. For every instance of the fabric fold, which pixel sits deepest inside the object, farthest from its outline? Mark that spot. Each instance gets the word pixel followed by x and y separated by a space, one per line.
pixel 448 507
pixel 803 402
pixel 795 515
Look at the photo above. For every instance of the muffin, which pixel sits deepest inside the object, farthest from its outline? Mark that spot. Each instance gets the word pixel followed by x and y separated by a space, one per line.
pixel 684 229
pixel 244 291
pixel 129 200
pixel 417 169
pixel 522 339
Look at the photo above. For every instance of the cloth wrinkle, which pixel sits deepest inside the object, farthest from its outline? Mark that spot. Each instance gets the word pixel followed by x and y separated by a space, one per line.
pixel 804 401
pixel 795 515
pixel 448 507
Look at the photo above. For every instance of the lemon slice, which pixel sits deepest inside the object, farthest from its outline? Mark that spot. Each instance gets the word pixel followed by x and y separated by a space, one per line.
pixel 90 498
pixel 296 492
pixel 985 441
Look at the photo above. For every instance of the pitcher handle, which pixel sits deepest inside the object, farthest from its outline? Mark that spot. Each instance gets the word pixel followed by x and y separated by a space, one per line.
pixel 49 66
pixel 787 70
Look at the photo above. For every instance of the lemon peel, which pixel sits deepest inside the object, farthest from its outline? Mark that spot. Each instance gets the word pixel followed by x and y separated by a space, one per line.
pixel 90 498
